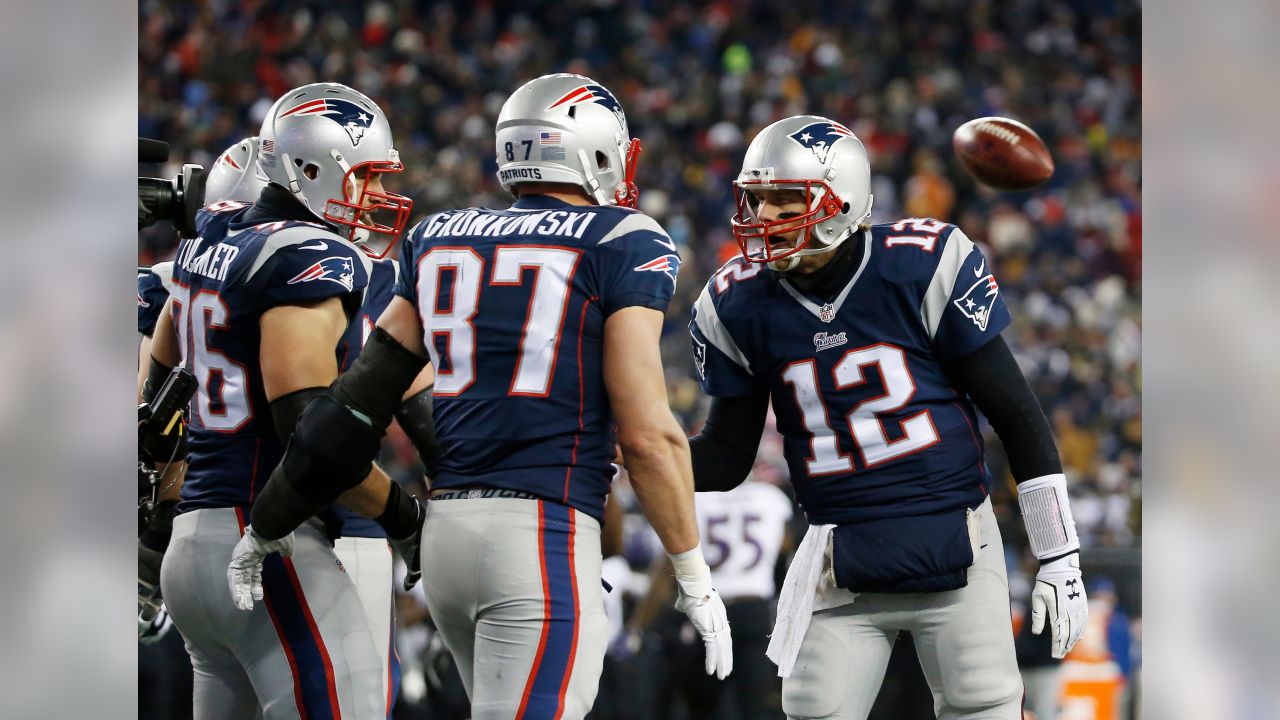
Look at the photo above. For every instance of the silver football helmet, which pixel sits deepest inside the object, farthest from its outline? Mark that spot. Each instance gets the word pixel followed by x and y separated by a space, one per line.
pixel 319 142
pixel 818 156
pixel 570 129
pixel 234 175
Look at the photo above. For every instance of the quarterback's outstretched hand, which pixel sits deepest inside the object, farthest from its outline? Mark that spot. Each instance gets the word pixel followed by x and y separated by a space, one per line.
pixel 1059 596
pixel 244 574
pixel 702 604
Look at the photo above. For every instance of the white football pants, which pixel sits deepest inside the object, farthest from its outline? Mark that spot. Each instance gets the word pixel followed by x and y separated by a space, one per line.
pixel 964 639
pixel 514 587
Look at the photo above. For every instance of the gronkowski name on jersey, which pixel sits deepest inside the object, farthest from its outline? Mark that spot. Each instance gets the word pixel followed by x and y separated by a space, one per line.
pixel 513 304
pixel 871 426
pixel 223 282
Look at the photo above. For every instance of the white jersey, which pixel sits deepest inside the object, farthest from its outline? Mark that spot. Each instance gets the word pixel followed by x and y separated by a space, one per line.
pixel 742 533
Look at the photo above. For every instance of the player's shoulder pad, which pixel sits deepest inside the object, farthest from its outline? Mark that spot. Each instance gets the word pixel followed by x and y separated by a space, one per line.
pixel 952 259
pixel 164 272
pixel 624 225
pixel 909 250
pixel 217 213
pixel 303 242
pixel 718 307
pixel 393 265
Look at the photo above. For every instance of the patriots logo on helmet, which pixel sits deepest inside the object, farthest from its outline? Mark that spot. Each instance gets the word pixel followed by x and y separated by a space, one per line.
pixel 669 264
pixel 820 136
pixel 597 94
pixel 353 118
pixel 334 269
pixel 977 302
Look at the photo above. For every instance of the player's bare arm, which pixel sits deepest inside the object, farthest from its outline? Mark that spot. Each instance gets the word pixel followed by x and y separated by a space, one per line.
pixel 657 452
pixel 657 455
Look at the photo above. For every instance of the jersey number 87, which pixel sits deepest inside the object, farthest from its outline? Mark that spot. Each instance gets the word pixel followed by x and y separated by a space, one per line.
pixel 544 318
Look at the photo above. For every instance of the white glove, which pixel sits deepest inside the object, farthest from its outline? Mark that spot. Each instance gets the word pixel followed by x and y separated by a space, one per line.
pixel 702 604
pixel 1059 593
pixel 244 574
pixel 153 630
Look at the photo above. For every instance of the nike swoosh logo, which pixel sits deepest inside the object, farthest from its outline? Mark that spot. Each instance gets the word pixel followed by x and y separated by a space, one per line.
pixel 320 245
pixel 981 266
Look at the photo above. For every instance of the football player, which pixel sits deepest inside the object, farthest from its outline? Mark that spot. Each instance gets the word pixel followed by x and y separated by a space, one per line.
pixel 232 179
pixel 542 322
pixel 362 546
pixel 877 345
pixel 260 304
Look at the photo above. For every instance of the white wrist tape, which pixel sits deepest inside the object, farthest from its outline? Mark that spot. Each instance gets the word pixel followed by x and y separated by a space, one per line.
pixel 692 573
pixel 1046 511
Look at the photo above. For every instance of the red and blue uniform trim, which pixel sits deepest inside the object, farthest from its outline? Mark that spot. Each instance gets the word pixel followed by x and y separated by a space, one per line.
pixel 544 691
pixel 315 690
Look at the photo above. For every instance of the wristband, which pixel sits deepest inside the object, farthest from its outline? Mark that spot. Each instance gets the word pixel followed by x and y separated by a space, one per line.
pixel 1046 511
pixel 692 573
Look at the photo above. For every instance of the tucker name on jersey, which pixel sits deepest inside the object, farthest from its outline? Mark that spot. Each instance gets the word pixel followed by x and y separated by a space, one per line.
pixel 872 428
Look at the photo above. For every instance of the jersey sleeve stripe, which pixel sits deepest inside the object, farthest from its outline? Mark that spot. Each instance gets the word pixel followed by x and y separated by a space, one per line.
pixel 298 235
pixel 944 280
pixel 708 322
pixel 634 222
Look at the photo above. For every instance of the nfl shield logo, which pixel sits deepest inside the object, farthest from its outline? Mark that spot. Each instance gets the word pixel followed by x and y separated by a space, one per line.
pixel 828 313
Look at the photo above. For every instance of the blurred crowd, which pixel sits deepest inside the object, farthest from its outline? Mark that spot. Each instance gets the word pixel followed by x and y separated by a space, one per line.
pixel 697 80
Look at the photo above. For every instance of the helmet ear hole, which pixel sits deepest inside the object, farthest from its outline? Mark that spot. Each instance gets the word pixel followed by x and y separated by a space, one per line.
pixel 311 171
pixel 844 210
pixel 602 161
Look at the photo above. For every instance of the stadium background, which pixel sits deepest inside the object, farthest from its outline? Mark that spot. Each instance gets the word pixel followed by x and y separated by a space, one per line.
pixel 697 81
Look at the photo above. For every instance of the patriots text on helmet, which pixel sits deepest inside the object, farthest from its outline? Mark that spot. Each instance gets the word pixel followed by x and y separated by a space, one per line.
pixel 520 174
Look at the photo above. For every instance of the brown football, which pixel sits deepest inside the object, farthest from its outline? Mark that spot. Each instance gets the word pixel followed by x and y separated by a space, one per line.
pixel 1002 153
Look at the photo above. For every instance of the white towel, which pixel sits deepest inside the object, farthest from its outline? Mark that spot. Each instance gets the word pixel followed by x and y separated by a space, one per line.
pixel 796 601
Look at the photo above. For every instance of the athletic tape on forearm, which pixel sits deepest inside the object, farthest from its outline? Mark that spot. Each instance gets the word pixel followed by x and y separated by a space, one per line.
pixel 1046 511
pixel 693 575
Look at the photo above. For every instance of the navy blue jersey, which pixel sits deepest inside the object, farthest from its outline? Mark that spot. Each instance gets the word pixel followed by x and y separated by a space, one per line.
pixel 382 279
pixel 153 291
pixel 223 282
pixel 872 428
pixel 513 305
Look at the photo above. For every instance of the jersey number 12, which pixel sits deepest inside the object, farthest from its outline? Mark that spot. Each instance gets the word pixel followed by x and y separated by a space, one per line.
pixel 864 420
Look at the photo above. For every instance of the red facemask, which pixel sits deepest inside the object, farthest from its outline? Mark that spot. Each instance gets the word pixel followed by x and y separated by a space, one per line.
pixel 744 230
pixel 348 214
pixel 629 195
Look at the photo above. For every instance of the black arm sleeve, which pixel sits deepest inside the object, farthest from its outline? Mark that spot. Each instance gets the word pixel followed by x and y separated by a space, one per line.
pixel 991 376
pixel 414 417
pixel 724 452
pixel 286 409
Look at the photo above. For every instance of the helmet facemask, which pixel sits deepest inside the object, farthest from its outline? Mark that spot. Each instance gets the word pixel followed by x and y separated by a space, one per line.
pixel 822 203
pixel 374 219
